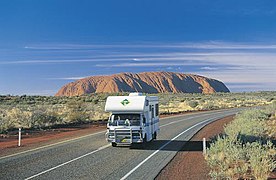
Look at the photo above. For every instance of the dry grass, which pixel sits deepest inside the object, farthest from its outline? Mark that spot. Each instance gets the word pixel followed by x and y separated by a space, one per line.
pixel 245 151
pixel 43 111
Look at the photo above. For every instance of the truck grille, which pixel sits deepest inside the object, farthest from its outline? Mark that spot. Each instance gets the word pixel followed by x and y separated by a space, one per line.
pixel 124 136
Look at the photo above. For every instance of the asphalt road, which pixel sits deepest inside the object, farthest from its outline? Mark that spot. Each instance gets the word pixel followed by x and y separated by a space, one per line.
pixel 91 157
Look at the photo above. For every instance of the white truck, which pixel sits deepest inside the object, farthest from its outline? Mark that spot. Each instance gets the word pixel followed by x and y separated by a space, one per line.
pixel 133 119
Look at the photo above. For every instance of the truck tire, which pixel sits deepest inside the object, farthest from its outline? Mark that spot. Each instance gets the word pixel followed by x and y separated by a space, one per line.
pixel 113 144
pixel 144 144
pixel 154 135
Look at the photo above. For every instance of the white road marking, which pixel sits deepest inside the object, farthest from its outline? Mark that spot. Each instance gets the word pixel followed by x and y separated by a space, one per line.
pixel 201 112
pixel 194 113
pixel 43 172
pixel 42 147
pixel 104 147
pixel 108 145
pixel 190 118
pixel 141 163
pixel 54 144
pixel 182 120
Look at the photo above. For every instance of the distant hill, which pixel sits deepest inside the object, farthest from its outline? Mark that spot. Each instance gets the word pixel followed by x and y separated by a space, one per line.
pixel 147 82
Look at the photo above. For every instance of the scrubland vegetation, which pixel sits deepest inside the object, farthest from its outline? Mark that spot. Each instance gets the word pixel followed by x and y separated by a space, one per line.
pixel 245 151
pixel 43 111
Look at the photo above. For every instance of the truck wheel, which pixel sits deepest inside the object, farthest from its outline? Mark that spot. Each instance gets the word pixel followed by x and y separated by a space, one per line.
pixel 145 139
pixel 144 144
pixel 154 135
pixel 113 144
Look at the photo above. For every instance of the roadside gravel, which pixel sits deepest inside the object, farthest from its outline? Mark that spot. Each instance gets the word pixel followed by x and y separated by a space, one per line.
pixel 34 139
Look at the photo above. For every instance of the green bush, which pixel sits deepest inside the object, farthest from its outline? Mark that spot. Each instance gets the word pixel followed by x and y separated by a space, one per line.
pixel 5 123
pixel 42 111
pixel 193 104
pixel 234 160
pixel 45 118
pixel 209 106
pixel 249 125
pixel 261 159
pixel 227 159
pixel 244 152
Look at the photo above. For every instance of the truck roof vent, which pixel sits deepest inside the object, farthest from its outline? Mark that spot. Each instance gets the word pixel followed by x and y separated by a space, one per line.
pixel 136 94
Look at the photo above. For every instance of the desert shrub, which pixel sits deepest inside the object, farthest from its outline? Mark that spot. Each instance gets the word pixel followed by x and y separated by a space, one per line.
pixel 95 101
pixel 76 116
pixel 270 99
pixel 5 122
pixel 234 160
pixel 193 104
pixel 227 159
pixel 271 128
pixel 21 118
pixel 209 106
pixel 244 152
pixel 261 159
pixel 45 118
pixel 41 111
pixel 249 125
pixel 76 112
pixel 271 108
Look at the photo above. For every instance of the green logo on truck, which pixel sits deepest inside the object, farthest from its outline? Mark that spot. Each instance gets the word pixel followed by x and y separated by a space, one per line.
pixel 125 102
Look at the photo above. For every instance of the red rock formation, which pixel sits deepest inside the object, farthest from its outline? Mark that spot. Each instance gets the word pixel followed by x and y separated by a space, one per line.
pixel 148 82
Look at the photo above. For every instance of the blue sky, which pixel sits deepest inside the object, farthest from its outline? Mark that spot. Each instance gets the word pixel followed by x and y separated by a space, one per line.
pixel 46 44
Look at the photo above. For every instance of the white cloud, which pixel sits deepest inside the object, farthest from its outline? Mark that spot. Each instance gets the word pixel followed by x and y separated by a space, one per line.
pixel 151 64
pixel 242 76
pixel 39 92
pixel 69 78
pixel 208 68
pixel 63 61
pixel 190 45
pixel 238 62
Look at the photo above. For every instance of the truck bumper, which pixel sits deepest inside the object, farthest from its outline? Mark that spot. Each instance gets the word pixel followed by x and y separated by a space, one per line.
pixel 124 136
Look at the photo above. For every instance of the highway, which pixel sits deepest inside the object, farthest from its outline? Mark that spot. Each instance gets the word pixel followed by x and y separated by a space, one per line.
pixel 91 157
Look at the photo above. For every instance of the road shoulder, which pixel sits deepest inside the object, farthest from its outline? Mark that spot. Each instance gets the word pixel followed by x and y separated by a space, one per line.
pixel 33 140
pixel 189 162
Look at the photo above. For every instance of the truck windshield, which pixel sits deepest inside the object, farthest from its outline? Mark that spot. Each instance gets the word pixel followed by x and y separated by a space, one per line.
pixel 125 120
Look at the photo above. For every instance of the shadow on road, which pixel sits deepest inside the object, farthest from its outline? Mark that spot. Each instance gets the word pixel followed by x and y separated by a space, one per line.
pixel 175 145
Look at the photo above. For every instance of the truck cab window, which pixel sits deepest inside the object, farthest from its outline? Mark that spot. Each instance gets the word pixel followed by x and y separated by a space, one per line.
pixel 125 120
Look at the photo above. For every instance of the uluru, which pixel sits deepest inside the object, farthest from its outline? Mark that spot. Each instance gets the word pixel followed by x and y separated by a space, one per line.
pixel 146 82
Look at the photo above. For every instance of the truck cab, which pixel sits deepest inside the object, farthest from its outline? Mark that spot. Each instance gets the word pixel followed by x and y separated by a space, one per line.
pixel 134 119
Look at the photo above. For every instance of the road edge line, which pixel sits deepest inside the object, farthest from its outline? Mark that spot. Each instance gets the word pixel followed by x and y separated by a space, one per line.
pixel 72 160
pixel 61 142
pixel 49 145
pixel 155 152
